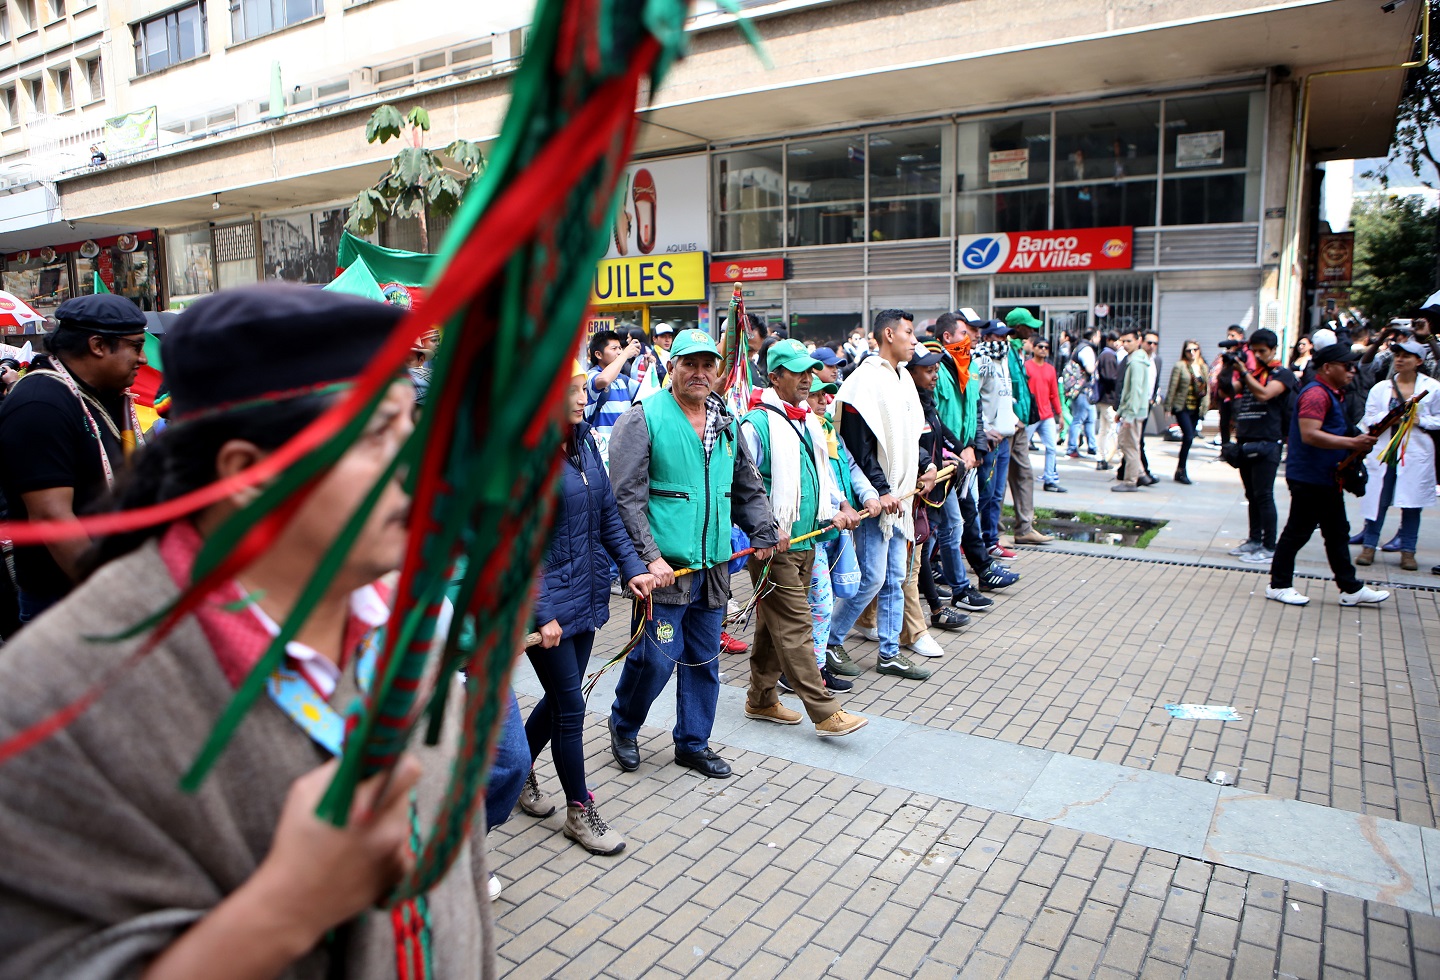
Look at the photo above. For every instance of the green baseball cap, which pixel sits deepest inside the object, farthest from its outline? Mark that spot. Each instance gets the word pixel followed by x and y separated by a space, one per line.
pixel 1020 317
pixel 829 387
pixel 693 342
pixel 790 355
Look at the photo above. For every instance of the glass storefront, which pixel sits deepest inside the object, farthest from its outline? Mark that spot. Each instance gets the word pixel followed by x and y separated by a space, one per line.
pixel 44 278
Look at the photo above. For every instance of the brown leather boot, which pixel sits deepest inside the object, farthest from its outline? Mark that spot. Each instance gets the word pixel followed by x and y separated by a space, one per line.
pixel 1366 557
pixel 1407 561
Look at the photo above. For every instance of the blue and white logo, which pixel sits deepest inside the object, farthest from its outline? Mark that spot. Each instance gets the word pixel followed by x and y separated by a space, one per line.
pixel 983 253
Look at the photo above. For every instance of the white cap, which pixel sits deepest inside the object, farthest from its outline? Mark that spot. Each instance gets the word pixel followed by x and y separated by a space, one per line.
pixel 1322 338
pixel 661 327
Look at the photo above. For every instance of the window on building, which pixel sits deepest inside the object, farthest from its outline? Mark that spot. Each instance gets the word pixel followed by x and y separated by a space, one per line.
pixel 57 9
pixel 1212 158
pixel 94 79
pixel 4 22
pixel 826 191
pixel 35 92
pixel 10 104
pixel 1003 174
pixel 252 18
pixel 908 184
pixel 750 199
pixel 1106 159
pixel 64 89
pixel 171 38
pixel 28 20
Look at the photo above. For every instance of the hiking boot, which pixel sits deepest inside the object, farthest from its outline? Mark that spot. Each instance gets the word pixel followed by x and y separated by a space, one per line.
pixel 777 713
pixel 1366 557
pixel 729 644
pixel 585 826
pixel 834 682
pixel 838 662
pixel 841 723
pixel 900 666
pixel 532 800
pixel 971 599
pixel 1364 596
pixel 1407 561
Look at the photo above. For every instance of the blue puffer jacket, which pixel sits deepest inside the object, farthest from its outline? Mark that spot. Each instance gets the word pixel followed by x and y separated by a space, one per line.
pixel 575 588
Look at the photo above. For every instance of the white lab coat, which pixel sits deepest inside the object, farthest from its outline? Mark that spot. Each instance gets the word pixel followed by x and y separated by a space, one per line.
pixel 1415 480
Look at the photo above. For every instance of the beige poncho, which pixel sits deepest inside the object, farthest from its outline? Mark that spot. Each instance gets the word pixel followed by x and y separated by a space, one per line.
pixel 106 862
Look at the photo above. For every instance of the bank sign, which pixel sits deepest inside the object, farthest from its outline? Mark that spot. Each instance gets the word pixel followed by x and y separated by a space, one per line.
pixel 648 279
pixel 1074 250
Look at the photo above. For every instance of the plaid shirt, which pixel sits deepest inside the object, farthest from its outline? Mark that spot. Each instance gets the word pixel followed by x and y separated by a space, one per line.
pixel 716 418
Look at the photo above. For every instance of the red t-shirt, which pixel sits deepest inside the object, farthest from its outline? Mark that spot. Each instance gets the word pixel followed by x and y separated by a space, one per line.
pixel 1040 377
pixel 1315 402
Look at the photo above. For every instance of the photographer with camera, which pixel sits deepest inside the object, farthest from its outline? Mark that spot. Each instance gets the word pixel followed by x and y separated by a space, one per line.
pixel 1222 388
pixel 1318 446
pixel 1261 413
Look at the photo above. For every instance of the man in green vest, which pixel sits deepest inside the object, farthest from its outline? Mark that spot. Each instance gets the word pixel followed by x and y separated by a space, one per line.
pixel 1020 475
pixel 789 446
pixel 681 479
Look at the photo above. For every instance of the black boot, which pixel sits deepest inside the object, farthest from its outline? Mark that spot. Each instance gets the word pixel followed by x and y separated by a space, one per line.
pixel 1181 477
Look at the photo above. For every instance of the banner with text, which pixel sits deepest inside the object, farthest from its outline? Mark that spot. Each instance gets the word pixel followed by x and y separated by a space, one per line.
pixel 1073 250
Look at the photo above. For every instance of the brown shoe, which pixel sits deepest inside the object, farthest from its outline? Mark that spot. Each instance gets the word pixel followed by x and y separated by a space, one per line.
pixel 1033 536
pixel 777 713
pixel 841 723
pixel 1407 561
pixel 1366 557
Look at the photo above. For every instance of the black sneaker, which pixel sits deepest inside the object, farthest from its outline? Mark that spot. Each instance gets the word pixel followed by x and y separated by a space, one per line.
pixel 1102 465
pixel 972 600
pixel 835 682
pixel 784 685
pixel 997 576
pixel 943 591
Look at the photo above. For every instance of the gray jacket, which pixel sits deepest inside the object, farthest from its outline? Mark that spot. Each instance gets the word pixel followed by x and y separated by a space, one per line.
pixel 630 474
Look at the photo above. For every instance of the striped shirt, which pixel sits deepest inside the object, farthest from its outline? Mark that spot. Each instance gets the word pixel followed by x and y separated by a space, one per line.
pixel 617 398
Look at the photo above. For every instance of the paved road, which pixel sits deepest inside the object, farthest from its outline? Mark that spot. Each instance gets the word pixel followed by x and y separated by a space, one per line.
pixel 1032 810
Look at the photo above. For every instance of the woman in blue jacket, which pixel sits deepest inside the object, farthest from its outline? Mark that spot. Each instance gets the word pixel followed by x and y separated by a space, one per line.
pixel 574 602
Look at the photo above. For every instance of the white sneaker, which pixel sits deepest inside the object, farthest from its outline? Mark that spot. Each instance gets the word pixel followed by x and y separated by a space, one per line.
pixel 494 888
pixel 1261 557
pixel 925 646
pixel 1245 548
pixel 1289 596
pixel 1365 597
pixel 732 609
pixel 869 632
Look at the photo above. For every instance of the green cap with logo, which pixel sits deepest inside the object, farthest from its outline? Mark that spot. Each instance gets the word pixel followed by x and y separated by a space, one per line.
pixel 693 342
pixel 1020 317
pixel 790 355
pixel 829 387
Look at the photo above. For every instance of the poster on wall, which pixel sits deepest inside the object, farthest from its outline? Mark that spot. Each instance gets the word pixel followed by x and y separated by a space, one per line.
pixel 302 247
pixel 1009 165
pixel 1336 258
pixel 1200 149
pixel 132 133
pixel 662 208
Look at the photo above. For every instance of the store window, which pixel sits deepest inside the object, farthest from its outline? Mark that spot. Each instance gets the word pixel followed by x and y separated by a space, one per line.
pixel 41 281
pixel 1003 174
pixel 908 184
pixel 826 191
pixel 191 263
pixel 125 264
pixel 305 247
pixel 252 18
pixel 1106 159
pixel 1128 299
pixel 750 199
pixel 1212 158
pixel 173 37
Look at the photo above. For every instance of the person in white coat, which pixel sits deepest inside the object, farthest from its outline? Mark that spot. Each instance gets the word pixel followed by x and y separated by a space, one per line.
pixel 1410 485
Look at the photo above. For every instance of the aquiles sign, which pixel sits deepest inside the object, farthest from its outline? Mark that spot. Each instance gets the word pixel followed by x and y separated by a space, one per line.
pixel 1072 250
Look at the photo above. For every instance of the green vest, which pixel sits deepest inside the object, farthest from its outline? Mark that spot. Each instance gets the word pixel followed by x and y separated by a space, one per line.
pixel 809 479
pixel 689 509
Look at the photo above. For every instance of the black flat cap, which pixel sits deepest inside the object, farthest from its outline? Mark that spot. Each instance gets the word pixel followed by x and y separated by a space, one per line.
pixel 269 341
pixel 103 313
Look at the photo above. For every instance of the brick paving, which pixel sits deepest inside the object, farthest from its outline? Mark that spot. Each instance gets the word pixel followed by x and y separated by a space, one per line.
pixel 787 869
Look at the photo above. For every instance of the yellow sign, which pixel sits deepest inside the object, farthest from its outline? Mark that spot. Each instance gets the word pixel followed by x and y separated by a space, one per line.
pixel 640 279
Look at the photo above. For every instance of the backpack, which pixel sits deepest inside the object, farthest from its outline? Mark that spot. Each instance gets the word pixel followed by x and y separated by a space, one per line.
pixel 1074 379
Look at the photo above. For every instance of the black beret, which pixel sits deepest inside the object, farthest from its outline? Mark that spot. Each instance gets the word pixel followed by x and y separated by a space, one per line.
pixel 269 341
pixel 1332 353
pixel 103 313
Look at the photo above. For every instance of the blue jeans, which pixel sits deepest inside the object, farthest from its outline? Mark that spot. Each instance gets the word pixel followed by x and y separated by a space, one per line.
pixel 1082 416
pixel 948 530
pixel 882 573
pixel 559 718
pixel 32 604
pixel 1409 518
pixel 1046 428
pixel 684 638
pixel 994 469
pixel 508 772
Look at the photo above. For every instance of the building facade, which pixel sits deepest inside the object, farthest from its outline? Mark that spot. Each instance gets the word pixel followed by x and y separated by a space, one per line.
pixel 1093 161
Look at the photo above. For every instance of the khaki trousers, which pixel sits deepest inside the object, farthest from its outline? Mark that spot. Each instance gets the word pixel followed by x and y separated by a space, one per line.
pixel 783 639
pixel 1021 478
pixel 915 624
pixel 1130 449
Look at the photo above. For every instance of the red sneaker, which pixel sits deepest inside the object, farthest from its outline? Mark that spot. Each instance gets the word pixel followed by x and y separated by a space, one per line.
pixel 728 644
pixel 1002 552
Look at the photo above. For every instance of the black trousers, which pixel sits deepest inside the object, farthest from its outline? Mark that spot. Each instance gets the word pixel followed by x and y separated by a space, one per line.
pixel 1187 419
pixel 1257 473
pixel 1312 506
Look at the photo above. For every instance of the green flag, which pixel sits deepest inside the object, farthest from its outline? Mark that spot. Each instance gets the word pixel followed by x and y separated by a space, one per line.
pixel 386 264
pixel 357 281
pixel 152 351
pixel 100 286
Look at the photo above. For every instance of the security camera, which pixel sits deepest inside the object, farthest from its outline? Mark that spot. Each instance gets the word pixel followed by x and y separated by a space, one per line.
pixel 71 224
pixel 1389 8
